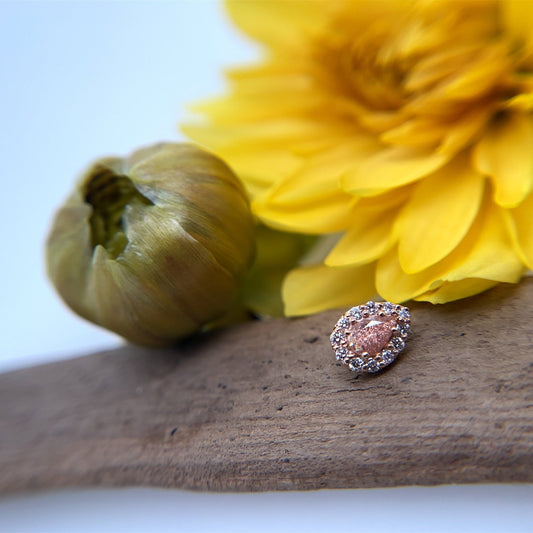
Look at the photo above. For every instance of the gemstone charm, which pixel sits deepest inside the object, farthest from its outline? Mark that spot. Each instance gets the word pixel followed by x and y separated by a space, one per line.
pixel 369 337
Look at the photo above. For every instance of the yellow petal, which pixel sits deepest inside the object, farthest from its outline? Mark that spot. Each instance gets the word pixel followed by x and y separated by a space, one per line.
pixel 490 67
pixel 455 290
pixel 395 285
pixel 257 153
pixel 434 103
pixel 378 121
pixel 279 68
pixel 438 215
pixel 371 229
pixel 263 154
pixel 326 214
pixel 436 66
pixel 505 153
pixel 282 25
pixel 461 133
pixel 261 105
pixel 428 132
pixel 417 132
pixel 274 132
pixel 312 289
pixel 367 240
pixel 479 76
pixel 491 255
pixel 389 168
pixel 260 168
pixel 273 77
pixel 485 253
pixel 321 172
pixel 386 201
pixel 522 220
pixel 310 201
pixel 517 16
pixel 520 102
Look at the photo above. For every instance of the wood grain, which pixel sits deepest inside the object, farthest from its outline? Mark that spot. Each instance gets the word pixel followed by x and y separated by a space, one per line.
pixel 265 406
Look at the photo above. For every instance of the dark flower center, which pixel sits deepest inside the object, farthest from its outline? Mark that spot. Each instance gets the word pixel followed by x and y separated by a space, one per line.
pixel 109 194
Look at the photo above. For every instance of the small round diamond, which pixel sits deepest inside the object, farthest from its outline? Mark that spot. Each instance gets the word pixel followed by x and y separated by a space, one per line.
pixel 387 308
pixel 403 329
pixel 355 312
pixel 398 343
pixel 343 323
pixel 337 337
pixel 371 366
pixel 356 364
pixel 341 352
pixel 370 306
pixel 387 357
pixel 404 314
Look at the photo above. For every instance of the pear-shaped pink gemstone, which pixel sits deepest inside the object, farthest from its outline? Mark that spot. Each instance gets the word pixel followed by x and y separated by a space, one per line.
pixel 370 335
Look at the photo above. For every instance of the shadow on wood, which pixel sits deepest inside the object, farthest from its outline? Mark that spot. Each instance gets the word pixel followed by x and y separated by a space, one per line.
pixel 265 406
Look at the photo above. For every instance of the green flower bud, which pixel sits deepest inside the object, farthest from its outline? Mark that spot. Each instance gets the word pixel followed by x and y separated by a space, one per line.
pixel 153 247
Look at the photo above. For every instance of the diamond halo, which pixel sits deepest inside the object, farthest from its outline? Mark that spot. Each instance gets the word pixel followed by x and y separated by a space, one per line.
pixel 369 337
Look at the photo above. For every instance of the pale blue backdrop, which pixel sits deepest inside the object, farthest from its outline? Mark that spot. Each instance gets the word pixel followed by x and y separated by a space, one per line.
pixel 85 79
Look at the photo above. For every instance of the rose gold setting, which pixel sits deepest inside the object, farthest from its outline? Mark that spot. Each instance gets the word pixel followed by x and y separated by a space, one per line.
pixel 368 338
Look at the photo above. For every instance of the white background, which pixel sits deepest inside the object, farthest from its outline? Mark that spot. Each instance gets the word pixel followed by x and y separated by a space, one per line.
pixel 80 80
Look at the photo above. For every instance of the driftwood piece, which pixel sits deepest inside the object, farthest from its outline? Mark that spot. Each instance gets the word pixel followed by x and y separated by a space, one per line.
pixel 265 406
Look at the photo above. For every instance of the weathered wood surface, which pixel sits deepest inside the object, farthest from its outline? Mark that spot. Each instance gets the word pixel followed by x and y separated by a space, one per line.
pixel 265 406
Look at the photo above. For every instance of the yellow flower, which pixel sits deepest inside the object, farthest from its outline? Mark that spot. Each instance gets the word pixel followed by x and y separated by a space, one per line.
pixel 403 127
